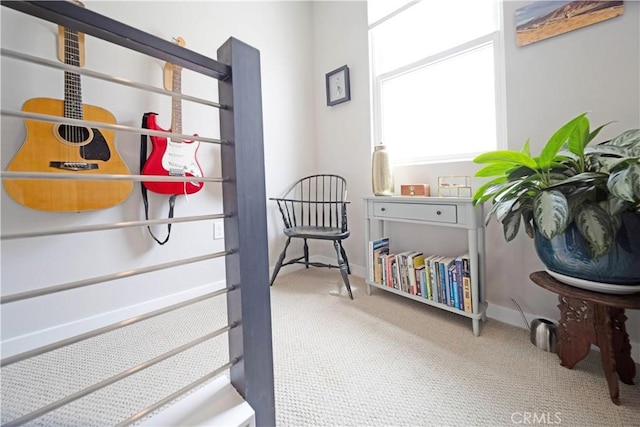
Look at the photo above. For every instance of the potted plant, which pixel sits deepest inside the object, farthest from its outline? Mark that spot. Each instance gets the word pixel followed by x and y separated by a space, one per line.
pixel 579 202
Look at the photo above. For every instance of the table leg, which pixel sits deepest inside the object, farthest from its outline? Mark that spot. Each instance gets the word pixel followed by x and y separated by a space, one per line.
pixel 625 366
pixel 476 327
pixel 604 339
pixel 575 331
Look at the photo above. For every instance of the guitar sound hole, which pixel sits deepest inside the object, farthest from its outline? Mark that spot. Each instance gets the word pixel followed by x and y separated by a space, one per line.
pixel 74 134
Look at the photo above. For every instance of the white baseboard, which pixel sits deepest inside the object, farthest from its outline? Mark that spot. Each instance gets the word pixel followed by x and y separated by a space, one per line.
pixel 26 342
pixel 216 404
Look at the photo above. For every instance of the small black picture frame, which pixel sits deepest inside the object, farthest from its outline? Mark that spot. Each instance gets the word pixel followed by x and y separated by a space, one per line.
pixel 338 87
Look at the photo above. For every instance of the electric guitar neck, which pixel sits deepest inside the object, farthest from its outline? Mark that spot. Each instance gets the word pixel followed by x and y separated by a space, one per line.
pixel 173 157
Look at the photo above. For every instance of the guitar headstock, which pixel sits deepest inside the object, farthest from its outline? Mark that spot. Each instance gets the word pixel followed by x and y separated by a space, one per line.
pixel 171 71
pixel 77 43
pixel 179 41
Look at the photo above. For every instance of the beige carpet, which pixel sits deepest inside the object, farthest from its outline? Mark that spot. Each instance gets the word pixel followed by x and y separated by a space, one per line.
pixel 385 360
pixel 36 382
pixel 378 360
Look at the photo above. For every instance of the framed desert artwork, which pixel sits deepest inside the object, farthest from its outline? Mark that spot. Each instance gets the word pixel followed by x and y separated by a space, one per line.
pixel 543 19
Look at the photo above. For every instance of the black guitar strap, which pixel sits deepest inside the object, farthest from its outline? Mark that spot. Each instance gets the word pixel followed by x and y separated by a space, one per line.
pixel 172 198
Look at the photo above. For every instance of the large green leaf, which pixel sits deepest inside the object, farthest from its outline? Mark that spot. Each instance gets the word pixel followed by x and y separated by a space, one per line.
pixel 508 156
pixel 595 133
pixel 612 164
pixel 516 189
pixel 578 137
pixel 581 178
pixel 492 212
pixel 575 200
pixel 551 213
pixel 616 206
pixel 494 169
pixel 608 150
pixel 520 172
pixel 501 208
pixel 558 139
pixel 511 225
pixel 527 217
pixel 488 189
pixel 634 171
pixel 596 227
pixel 504 208
pixel 624 183
pixel 629 139
pixel 566 155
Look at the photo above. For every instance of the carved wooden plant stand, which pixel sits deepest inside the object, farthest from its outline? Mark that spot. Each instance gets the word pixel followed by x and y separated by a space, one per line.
pixel 588 318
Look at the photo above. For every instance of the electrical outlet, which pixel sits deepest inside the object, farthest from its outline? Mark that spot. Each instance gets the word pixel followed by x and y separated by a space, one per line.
pixel 218 230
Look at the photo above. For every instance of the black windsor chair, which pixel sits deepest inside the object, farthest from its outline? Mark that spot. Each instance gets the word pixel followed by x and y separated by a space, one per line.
pixel 315 207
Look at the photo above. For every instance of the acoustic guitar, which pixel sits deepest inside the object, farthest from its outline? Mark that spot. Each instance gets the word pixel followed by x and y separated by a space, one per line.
pixel 173 157
pixel 64 148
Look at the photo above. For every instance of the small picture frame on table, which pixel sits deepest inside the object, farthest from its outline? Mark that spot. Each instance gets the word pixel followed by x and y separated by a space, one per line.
pixel 338 88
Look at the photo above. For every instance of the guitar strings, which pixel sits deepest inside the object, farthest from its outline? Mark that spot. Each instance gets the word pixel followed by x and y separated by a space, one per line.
pixel 73 100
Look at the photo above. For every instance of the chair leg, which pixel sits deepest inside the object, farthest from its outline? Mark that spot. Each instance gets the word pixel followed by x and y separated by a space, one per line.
pixel 306 254
pixel 344 255
pixel 343 267
pixel 280 261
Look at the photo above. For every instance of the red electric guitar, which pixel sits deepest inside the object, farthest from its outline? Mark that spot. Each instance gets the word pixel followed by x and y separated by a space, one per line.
pixel 174 157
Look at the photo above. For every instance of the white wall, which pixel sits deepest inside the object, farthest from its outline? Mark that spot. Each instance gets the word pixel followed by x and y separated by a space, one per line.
pixel 280 30
pixel 596 69
pixel 342 131
pixel 592 69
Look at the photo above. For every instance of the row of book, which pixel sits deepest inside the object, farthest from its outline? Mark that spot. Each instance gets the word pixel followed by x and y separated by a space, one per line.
pixel 443 279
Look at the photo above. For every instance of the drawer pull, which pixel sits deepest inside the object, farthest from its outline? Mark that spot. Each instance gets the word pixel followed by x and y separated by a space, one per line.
pixel 383 209
pixel 438 212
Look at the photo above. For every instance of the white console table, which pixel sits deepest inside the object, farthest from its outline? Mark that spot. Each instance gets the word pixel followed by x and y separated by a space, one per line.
pixel 438 212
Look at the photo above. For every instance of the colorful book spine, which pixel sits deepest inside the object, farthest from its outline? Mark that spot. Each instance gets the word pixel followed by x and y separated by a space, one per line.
pixel 458 262
pixel 376 246
pixel 411 274
pixel 466 284
pixel 443 283
pixel 436 279
pixel 389 267
pixel 447 298
pixel 403 271
pixel 383 268
pixel 453 284
pixel 420 272
pixel 395 273
pixel 427 273
pixel 417 263
pixel 378 266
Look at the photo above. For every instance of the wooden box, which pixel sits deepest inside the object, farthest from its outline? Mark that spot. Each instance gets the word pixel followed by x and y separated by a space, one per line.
pixel 415 190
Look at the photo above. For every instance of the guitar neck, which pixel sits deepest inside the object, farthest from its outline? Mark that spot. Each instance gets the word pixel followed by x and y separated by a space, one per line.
pixel 176 102
pixel 72 84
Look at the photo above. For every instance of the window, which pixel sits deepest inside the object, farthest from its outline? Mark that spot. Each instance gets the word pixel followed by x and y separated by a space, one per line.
pixel 437 80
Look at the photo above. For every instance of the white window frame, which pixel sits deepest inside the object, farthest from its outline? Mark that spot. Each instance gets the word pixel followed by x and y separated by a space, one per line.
pixel 496 38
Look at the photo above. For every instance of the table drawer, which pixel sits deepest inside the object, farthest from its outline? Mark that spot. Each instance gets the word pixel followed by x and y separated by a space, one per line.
pixel 417 212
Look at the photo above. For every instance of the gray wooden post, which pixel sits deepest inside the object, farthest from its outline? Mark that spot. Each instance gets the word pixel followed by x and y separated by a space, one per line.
pixel 244 198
